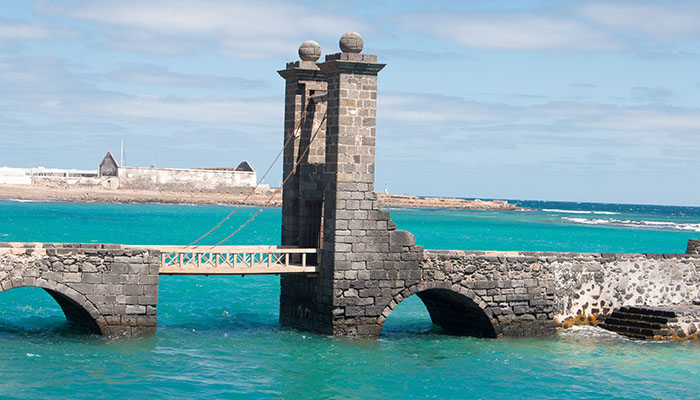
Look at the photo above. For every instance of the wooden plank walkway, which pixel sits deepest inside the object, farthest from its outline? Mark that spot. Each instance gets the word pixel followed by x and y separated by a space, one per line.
pixel 235 260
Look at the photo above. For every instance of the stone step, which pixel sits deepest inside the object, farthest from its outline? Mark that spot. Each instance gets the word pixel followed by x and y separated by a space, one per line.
pixel 648 311
pixel 643 323
pixel 633 323
pixel 642 317
pixel 634 332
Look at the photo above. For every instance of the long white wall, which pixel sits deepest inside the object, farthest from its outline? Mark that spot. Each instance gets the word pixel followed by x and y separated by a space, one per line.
pixel 183 179
pixel 135 178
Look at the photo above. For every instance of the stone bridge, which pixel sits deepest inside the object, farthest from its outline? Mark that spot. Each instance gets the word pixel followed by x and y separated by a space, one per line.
pixel 107 289
pixel 364 268
pixel 113 290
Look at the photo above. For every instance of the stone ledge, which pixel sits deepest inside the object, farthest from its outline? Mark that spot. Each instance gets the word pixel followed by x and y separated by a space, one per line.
pixel 536 255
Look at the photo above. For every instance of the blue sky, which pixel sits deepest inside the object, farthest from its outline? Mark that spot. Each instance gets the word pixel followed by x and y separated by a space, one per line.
pixel 548 100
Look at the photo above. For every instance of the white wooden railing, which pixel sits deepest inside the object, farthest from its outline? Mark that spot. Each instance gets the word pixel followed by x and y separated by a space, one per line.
pixel 235 260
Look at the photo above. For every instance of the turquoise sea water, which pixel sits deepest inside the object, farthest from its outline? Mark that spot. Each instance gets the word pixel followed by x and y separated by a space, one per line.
pixel 218 337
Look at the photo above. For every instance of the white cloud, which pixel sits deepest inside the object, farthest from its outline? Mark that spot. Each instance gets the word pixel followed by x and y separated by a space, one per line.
pixel 13 31
pixel 663 120
pixel 47 86
pixel 660 20
pixel 589 26
pixel 613 119
pixel 144 74
pixel 512 31
pixel 445 121
pixel 231 111
pixel 21 30
pixel 160 110
pixel 651 94
pixel 26 74
pixel 236 28
pixel 401 107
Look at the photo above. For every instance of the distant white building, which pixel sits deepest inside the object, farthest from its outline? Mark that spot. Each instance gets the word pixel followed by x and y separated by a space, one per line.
pixel 222 180
pixel 28 176
pixel 109 174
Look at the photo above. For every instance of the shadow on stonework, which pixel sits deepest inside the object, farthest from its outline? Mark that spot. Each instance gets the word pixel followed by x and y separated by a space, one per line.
pixel 448 313
pixel 408 319
pixel 32 311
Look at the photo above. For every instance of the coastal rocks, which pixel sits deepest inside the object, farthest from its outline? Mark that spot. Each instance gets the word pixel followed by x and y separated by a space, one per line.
pixel 404 200
pixel 233 196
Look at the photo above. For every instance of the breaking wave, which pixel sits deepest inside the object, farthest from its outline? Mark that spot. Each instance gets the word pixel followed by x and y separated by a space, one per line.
pixel 554 210
pixel 675 226
pixel 590 332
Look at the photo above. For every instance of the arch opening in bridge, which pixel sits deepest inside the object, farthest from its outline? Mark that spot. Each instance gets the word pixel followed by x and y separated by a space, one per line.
pixel 454 312
pixel 76 310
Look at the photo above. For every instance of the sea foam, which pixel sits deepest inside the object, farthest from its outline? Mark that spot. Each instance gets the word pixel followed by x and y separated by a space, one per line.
pixel 666 225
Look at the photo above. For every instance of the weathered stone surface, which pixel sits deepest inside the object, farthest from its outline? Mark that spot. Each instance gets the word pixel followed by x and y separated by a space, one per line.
pixel 89 282
pixel 309 51
pixel 570 288
pixel 351 42
pixel 367 267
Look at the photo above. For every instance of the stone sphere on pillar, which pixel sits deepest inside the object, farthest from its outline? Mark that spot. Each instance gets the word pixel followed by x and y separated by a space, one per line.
pixel 351 42
pixel 309 51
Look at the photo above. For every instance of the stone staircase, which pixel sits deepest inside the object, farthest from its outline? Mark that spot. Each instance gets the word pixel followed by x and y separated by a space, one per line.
pixel 642 323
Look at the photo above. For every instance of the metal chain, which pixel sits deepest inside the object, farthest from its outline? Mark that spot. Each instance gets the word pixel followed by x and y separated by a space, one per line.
pixel 289 139
pixel 325 115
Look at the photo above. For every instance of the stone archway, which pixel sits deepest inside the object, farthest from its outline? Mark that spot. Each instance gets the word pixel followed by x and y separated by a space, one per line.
pixel 457 310
pixel 75 306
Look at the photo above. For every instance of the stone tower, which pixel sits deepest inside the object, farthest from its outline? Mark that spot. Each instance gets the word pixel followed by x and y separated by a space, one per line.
pixel 329 200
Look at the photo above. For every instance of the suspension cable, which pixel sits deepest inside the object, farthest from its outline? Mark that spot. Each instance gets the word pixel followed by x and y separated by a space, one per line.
pixel 296 164
pixel 289 139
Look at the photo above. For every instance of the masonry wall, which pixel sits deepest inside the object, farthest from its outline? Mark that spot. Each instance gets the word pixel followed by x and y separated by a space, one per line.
pixel 110 290
pixel 368 259
pixel 566 288
pixel 186 180
pixel 93 183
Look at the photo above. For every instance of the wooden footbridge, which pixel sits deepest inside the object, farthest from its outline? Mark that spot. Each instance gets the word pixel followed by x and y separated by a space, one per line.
pixel 235 260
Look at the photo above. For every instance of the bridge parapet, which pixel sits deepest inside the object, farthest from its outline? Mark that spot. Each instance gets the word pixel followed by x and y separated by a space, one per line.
pixel 108 289
pixel 529 292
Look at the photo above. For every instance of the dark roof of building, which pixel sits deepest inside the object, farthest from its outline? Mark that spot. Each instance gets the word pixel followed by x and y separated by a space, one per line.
pixel 245 167
pixel 110 157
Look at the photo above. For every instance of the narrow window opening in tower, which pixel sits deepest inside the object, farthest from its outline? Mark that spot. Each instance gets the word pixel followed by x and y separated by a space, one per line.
pixel 313 237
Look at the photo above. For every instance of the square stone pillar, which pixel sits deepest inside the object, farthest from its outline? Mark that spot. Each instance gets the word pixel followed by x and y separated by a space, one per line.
pixel 303 120
pixel 302 202
pixel 363 263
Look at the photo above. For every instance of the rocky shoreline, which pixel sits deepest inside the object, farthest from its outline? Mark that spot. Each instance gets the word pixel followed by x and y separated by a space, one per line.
pixel 408 201
pixel 259 198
